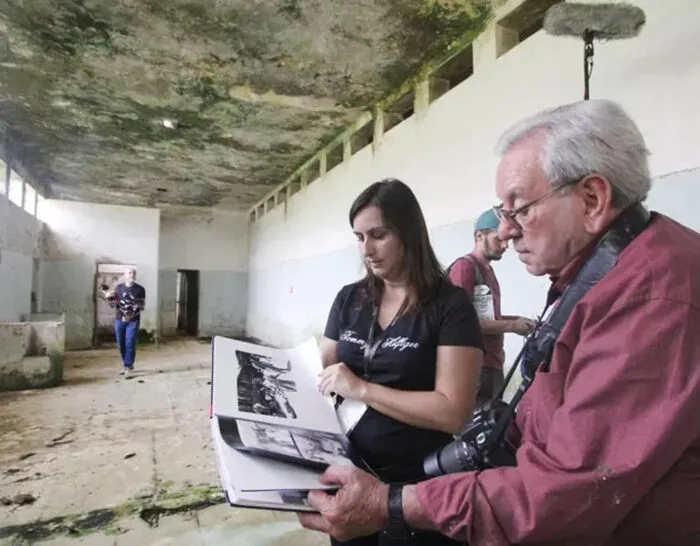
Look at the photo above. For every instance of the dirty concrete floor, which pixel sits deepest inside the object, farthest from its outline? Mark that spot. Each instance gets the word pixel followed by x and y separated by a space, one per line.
pixel 110 460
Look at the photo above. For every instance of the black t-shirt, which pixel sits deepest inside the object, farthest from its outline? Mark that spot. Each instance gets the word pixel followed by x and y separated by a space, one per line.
pixel 129 300
pixel 405 360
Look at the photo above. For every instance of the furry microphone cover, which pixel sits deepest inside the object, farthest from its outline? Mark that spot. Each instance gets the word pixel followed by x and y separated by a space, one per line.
pixel 605 21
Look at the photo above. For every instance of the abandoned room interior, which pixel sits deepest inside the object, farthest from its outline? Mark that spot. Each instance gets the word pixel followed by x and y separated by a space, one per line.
pixel 215 147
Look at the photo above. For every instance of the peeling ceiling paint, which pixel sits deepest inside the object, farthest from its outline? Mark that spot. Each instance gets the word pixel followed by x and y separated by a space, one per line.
pixel 201 103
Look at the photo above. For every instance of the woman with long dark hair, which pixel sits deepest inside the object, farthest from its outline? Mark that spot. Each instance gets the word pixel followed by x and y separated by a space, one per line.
pixel 404 341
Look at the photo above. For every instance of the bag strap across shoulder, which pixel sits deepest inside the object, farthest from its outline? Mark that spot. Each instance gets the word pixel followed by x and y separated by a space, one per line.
pixel 477 270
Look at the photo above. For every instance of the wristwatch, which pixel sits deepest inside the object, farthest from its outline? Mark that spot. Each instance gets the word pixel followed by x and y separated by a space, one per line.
pixel 397 527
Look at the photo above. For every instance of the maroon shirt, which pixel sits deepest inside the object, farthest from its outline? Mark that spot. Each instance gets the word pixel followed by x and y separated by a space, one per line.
pixel 463 275
pixel 610 452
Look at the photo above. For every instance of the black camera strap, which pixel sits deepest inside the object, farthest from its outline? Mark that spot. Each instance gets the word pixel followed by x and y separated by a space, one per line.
pixel 537 351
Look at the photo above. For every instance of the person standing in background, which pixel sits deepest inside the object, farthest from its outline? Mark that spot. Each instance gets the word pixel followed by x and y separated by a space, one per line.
pixel 129 299
pixel 474 274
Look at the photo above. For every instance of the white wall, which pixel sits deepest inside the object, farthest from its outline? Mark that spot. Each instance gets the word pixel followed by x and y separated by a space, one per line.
pixel 83 235
pixel 302 254
pixel 18 242
pixel 215 243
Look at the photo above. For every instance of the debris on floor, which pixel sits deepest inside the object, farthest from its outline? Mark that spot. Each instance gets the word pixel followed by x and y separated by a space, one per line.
pixel 139 468
pixel 20 499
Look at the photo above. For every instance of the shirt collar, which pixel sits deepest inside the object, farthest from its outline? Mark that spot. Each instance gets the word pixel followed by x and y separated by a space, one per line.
pixel 568 273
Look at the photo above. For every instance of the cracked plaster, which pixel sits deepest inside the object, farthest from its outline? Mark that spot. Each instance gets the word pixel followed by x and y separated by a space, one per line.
pixel 253 88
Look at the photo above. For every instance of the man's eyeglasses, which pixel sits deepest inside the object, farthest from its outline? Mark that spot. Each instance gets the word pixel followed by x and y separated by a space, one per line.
pixel 516 216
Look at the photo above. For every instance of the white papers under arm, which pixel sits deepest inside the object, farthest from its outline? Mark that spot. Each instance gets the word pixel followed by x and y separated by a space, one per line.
pixel 349 413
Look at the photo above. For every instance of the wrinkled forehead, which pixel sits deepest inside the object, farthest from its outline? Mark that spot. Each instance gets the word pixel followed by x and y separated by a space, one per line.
pixel 519 174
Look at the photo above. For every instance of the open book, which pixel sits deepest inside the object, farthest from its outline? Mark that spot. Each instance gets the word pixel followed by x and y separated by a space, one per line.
pixel 274 433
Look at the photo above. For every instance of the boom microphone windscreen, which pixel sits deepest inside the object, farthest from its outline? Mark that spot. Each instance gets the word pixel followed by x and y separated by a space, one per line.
pixel 593 22
pixel 602 21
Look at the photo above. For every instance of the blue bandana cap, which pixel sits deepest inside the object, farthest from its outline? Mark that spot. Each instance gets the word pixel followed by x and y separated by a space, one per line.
pixel 488 221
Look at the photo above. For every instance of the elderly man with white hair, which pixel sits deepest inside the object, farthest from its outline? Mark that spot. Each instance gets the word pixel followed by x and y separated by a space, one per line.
pixel 129 299
pixel 606 438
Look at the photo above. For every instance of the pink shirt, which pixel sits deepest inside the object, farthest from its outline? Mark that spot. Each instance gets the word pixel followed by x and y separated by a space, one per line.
pixel 610 452
pixel 463 274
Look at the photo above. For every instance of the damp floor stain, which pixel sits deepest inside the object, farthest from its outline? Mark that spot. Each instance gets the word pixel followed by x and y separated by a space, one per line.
pixel 110 461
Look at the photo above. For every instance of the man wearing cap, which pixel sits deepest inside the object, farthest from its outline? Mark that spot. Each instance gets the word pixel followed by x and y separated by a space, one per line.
pixel 474 274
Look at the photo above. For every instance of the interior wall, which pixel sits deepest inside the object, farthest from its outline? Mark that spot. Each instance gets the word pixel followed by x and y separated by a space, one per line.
pixel 80 236
pixel 18 243
pixel 302 253
pixel 215 243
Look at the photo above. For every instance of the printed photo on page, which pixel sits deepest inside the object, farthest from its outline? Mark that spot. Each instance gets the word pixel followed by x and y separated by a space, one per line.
pixel 268 385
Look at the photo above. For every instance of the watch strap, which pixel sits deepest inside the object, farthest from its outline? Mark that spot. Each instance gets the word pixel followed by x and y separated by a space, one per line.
pixel 397 527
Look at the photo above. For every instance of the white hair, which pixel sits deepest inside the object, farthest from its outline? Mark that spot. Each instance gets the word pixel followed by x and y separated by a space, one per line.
pixel 585 137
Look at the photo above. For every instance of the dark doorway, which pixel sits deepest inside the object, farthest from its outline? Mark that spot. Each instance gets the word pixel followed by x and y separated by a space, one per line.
pixel 187 301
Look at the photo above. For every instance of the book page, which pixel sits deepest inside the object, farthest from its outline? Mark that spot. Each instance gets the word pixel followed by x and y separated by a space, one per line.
pixel 292 500
pixel 244 472
pixel 269 385
pixel 311 445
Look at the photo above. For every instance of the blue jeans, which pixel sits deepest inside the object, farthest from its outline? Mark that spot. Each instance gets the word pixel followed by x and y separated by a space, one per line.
pixel 127 337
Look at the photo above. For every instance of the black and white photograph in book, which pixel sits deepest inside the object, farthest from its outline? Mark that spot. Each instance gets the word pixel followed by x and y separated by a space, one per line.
pixel 262 386
pixel 312 445
pixel 319 446
pixel 277 439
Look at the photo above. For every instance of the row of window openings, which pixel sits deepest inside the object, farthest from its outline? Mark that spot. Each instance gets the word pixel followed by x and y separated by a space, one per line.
pixel 448 76
pixel 19 191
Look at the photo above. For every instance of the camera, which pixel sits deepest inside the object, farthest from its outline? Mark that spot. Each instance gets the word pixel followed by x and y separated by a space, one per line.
pixel 474 448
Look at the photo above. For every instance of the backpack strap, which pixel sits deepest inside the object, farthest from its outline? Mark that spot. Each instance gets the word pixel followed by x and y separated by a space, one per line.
pixel 477 269
pixel 479 278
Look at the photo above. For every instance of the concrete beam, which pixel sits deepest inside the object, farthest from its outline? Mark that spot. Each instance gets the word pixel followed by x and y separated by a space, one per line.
pixel 347 149
pixel 421 99
pixel 378 129
pixel 484 48
pixel 323 165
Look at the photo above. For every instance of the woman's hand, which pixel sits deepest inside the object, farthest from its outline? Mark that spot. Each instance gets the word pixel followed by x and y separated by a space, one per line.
pixel 338 379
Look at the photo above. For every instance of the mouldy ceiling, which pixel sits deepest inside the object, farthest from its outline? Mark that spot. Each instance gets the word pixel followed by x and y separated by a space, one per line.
pixel 251 88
